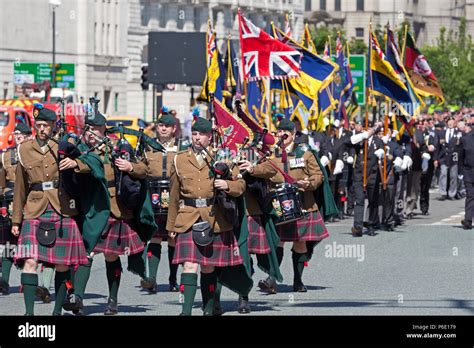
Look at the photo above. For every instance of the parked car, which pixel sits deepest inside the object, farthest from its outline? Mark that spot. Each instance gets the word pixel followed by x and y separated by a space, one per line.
pixel 132 123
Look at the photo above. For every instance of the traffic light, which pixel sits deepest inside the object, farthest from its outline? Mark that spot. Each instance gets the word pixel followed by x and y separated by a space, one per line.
pixel 144 83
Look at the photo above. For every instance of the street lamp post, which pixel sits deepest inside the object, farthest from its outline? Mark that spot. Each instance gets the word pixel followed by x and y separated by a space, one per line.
pixel 54 3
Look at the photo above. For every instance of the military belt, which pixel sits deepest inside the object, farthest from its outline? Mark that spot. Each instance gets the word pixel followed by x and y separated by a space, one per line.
pixel 198 202
pixel 44 186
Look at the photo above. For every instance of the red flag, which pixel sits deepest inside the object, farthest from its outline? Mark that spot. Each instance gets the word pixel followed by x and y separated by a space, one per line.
pixel 265 57
pixel 254 126
pixel 232 130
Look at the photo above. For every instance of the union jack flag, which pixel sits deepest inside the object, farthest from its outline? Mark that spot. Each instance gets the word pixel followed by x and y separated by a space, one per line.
pixel 264 56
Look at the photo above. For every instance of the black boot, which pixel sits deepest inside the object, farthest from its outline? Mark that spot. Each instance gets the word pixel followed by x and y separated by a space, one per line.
pixel 112 307
pixel 244 306
pixel 299 260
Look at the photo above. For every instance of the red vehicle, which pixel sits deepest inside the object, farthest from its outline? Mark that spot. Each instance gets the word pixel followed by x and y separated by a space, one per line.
pixel 9 117
pixel 17 110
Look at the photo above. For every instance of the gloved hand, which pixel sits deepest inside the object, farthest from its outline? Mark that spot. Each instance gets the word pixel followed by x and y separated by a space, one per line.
pixel 394 133
pixel 324 161
pixel 379 153
pixel 385 139
pixel 350 159
pixel 397 163
pixel 426 156
pixel 460 177
pixel 338 167
pixel 407 162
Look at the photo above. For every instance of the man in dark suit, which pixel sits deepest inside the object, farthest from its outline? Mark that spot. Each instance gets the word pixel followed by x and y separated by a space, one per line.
pixel 446 156
pixel 466 163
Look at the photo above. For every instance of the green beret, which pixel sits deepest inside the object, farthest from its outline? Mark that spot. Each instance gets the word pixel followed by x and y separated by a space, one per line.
pixel 167 119
pixel 202 125
pixel 22 128
pixel 96 120
pixel 42 114
pixel 286 124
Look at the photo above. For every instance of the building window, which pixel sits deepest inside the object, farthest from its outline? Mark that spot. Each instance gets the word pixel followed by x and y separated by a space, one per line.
pixel 322 5
pixel 337 5
pixel 360 5
pixel 359 32
pixel 307 5
pixel 116 101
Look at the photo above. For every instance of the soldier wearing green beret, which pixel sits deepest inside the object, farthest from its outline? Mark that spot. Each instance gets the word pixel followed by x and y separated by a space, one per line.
pixel 300 163
pixel 8 166
pixel 159 170
pixel 204 236
pixel 45 211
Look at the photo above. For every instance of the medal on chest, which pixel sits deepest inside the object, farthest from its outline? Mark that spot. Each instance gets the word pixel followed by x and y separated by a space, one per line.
pixel 296 163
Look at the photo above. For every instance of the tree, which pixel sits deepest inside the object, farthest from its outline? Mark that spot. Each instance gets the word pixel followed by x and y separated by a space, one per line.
pixel 451 61
pixel 321 34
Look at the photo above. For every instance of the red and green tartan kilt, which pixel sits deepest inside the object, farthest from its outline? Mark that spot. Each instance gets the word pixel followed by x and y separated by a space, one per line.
pixel 161 231
pixel 68 249
pixel 6 235
pixel 222 252
pixel 257 239
pixel 119 238
pixel 311 228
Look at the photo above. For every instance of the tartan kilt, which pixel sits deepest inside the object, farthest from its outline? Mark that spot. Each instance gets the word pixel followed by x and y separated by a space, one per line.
pixel 311 228
pixel 257 240
pixel 119 238
pixel 68 249
pixel 161 231
pixel 6 235
pixel 222 252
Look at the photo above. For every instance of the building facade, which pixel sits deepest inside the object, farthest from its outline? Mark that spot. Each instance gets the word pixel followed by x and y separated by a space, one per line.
pixel 425 16
pixel 91 34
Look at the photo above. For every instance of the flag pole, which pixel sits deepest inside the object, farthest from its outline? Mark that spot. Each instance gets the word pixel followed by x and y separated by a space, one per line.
pixel 404 44
pixel 385 130
pixel 367 96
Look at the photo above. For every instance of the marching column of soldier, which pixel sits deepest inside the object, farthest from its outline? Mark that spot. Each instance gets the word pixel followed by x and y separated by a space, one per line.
pixel 67 198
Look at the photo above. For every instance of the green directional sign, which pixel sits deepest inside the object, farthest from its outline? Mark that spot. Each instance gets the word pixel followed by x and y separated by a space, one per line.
pixel 39 72
pixel 358 68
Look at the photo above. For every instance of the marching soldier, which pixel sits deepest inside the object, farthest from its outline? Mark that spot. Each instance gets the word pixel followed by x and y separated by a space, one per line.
pixel 429 140
pixel 299 163
pixel 466 162
pixel 446 157
pixel 356 141
pixel 340 157
pixel 204 236
pixel 7 180
pixel 257 212
pixel 159 169
pixel 120 236
pixel 401 175
pixel 392 160
pixel 46 212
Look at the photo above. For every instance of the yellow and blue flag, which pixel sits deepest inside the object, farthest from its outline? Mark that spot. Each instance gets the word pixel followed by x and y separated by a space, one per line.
pixel 382 79
pixel 393 56
pixel 315 73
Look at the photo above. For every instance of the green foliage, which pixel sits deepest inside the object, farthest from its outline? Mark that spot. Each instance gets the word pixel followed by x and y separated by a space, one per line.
pixel 321 34
pixel 451 61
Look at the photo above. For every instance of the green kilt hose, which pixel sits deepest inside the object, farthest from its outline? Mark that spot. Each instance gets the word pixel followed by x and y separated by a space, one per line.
pixel 119 238
pixel 161 231
pixel 257 239
pixel 310 228
pixel 68 249
pixel 222 252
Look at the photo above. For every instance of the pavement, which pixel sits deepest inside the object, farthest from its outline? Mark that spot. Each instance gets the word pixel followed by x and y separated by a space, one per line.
pixel 424 267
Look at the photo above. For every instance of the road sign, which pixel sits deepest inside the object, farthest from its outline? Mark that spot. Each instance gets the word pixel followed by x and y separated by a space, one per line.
pixel 358 67
pixel 39 72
